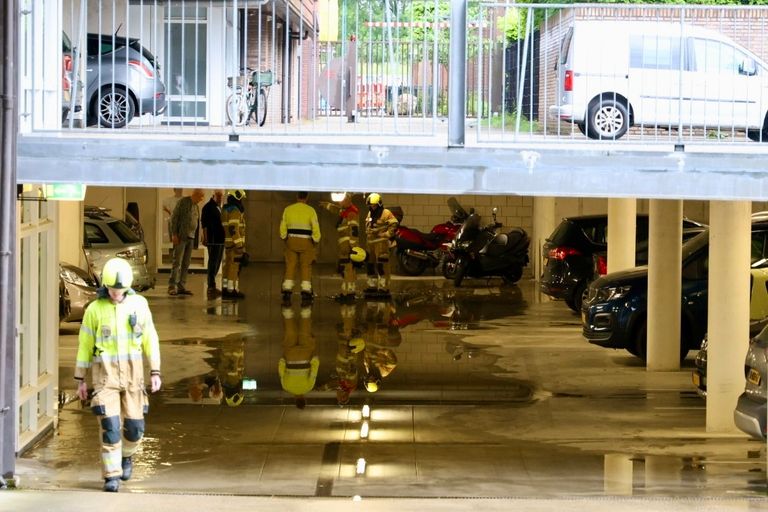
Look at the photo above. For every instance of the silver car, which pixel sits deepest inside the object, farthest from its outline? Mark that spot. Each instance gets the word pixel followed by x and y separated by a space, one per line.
pixel 123 80
pixel 106 237
pixel 750 413
pixel 77 289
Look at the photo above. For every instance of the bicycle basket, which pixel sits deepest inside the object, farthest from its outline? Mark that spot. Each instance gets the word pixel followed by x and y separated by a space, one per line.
pixel 263 78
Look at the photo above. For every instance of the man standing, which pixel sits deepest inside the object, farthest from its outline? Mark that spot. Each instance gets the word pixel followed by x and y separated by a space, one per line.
pixel 233 221
pixel 213 239
pixel 117 330
pixel 348 230
pixel 380 228
pixel 185 222
pixel 169 204
pixel 300 230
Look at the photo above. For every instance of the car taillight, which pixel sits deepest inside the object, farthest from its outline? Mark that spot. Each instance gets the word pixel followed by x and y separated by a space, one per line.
pixel 602 265
pixel 68 63
pixel 560 253
pixel 568 81
pixel 143 68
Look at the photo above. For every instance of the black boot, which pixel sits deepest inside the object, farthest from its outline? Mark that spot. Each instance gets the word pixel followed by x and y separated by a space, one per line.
pixel 127 468
pixel 111 484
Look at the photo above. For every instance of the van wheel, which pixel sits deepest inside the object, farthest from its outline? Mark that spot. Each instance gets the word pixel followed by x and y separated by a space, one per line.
pixel 758 135
pixel 607 119
pixel 582 128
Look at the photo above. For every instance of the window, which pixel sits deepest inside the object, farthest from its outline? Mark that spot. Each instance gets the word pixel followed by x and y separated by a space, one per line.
pixel 716 57
pixel 654 52
pixel 94 234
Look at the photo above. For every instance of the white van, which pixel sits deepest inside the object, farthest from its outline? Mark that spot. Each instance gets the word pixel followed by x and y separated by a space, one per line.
pixel 615 74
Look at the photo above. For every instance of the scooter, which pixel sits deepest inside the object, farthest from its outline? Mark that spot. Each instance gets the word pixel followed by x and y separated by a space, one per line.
pixel 482 251
pixel 416 250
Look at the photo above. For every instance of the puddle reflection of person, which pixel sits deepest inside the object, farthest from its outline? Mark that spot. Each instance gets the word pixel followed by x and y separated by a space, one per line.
pixel 299 364
pixel 231 368
pixel 348 357
pixel 381 336
pixel 210 385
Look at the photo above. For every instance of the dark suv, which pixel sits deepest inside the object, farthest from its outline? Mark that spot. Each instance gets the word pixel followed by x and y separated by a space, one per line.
pixel 614 312
pixel 576 254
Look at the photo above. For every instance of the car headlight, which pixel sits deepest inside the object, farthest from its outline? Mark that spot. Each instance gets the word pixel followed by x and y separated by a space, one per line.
pixel 611 292
pixel 71 277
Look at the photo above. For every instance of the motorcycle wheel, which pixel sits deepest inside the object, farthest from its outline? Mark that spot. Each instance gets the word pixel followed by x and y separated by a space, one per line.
pixel 461 269
pixel 409 265
pixel 512 275
pixel 449 268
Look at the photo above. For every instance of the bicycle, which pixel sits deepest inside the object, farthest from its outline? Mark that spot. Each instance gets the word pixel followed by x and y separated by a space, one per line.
pixel 244 104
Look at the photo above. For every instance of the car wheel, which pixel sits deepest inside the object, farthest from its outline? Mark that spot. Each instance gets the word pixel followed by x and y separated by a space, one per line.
pixel 607 118
pixel 641 340
pixel 758 135
pixel 113 107
pixel 577 299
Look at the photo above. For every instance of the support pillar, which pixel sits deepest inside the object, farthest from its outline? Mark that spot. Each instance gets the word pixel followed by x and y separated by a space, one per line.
pixel 544 223
pixel 622 229
pixel 664 284
pixel 728 319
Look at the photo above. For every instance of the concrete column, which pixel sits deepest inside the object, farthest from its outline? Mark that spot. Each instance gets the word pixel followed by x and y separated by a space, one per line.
pixel 544 223
pixel 664 275
pixel 457 74
pixel 71 232
pixel 622 229
pixel 618 474
pixel 728 320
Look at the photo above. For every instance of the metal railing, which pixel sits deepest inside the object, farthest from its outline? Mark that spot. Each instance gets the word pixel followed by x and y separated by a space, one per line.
pixel 534 72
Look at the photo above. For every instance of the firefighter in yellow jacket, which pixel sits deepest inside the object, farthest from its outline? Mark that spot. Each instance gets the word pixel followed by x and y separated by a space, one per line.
pixel 233 220
pixel 299 364
pixel 380 229
pixel 349 253
pixel 300 230
pixel 116 334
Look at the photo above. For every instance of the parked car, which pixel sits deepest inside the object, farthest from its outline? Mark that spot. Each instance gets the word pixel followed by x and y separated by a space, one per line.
pixel 66 76
pixel 614 312
pixel 606 88
pixel 122 81
pixel 106 237
pixel 77 289
pixel 750 413
pixel 576 254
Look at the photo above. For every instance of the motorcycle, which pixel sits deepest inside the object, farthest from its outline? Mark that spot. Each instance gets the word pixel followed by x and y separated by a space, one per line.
pixel 416 250
pixel 482 251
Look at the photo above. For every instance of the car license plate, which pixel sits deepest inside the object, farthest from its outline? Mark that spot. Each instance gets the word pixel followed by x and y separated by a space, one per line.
pixel 754 377
pixel 696 379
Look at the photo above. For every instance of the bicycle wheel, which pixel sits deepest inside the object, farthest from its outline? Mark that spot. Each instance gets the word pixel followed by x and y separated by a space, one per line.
pixel 236 109
pixel 261 108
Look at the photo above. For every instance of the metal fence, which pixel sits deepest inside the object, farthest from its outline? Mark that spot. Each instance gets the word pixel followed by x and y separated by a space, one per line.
pixel 550 72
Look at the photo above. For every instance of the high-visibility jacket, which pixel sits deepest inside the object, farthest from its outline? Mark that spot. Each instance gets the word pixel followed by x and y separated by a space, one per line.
pixel 298 376
pixel 233 221
pixel 300 219
pixel 382 228
pixel 348 226
pixel 113 340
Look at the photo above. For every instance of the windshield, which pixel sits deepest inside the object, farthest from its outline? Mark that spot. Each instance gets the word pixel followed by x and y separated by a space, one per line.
pixel 458 214
pixel 470 228
pixel 124 232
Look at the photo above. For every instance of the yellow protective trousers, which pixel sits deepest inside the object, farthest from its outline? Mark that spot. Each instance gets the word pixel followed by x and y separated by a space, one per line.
pixel 120 414
pixel 231 266
pixel 378 261
pixel 301 251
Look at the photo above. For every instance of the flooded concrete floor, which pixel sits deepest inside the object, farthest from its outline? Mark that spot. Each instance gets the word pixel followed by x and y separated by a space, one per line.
pixel 486 391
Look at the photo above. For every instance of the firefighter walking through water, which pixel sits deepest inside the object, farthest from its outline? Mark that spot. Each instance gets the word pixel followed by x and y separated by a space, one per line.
pixel 349 253
pixel 380 228
pixel 233 220
pixel 300 230
pixel 116 333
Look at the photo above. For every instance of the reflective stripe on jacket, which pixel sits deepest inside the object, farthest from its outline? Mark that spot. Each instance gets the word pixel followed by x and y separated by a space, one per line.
pixel 383 228
pixel 300 219
pixel 233 221
pixel 113 338
pixel 348 226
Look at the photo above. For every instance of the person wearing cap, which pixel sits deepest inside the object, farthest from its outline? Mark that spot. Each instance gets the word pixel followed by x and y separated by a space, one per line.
pixel 300 230
pixel 348 230
pixel 116 334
